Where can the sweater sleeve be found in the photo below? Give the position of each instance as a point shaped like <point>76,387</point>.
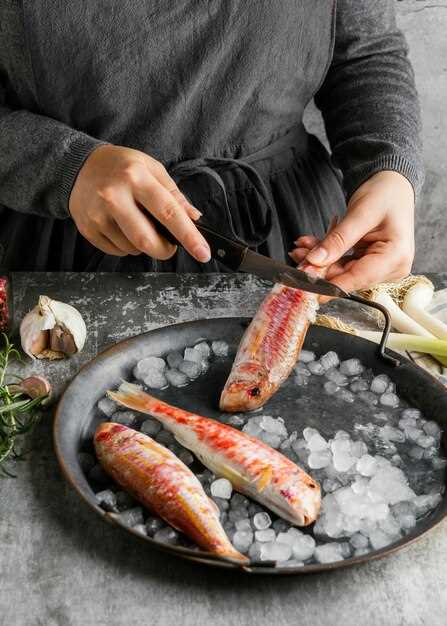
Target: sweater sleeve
<point>39,161</point>
<point>368,98</point>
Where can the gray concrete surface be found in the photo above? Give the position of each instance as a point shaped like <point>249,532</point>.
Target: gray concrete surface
<point>424,23</point>
<point>60,565</point>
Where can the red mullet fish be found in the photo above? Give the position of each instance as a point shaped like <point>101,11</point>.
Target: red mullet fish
<point>253,468</point>
<point>161,482</point>
<point>269,348</point>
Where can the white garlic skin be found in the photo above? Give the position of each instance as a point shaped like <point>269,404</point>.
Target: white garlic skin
<point>46,315</point>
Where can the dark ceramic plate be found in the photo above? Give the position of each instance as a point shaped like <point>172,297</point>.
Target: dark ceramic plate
<point>77,416</point>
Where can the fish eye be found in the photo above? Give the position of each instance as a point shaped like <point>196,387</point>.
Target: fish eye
<point>254,392</point>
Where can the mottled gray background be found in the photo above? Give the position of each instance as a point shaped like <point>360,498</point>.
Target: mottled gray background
<point>424,23</point>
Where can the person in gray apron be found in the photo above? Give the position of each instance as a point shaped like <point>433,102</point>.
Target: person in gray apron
<point>114,113</point>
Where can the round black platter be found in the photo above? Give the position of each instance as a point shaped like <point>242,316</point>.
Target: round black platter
<point>77,416</point>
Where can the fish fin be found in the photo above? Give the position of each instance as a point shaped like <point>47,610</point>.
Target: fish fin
<point>132,397</point>
<point>265,478</point>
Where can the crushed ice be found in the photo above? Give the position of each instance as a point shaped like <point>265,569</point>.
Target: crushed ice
<point>377,480</point>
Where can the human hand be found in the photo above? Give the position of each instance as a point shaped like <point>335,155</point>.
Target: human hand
<point>378,227</point>
<point>116,193</point>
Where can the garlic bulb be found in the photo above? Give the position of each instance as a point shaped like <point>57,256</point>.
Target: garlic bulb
<point>52,330</point>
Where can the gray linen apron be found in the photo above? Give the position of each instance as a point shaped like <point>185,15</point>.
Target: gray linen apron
<point>266,196</point>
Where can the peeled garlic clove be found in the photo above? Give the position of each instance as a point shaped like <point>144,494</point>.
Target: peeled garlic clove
<point>33,386</point>
<point>52,330</point>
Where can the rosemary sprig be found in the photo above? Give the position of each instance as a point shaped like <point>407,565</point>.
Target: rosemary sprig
<point>18,414</point>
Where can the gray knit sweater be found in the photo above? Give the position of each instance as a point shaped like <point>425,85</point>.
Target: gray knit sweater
<point>197,78</point>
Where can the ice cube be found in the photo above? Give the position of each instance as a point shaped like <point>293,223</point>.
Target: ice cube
<point>155,380</point>
<point>316,368</point>
<point>330,485</point>
<point>342,434</point>
<point>237,514</point>
<point>221,488</point>
<point>358,385</point>
<point>416,453</point>
<point>236,420</point>
<point>320,459</point>
<point>425,441</point>
<point>131,517</point>
<point>126,418</point>
<point>287,443</point>
<point>149,365</point>
<point>390,526</point>
<point>275,551</point>
<point>301,368</point>
<point>360,484</point>
<point>220,348</point>
<point>266,535</point>
<point>368,397</point>
<point>308,433</point>
<point>359,541</point>
<point>359,448</point>
<point>331,388</point>
<point>280,525</point>
<point>345,549</point>
<point>176,378</point>
<point>153,525</point>
<point>379,384</point>
<point>317,443</point>
<point>432,429</point>
<point>107,406</point>
<point>107,500</point>
<point>388,433</point>
<point>290,536</point>
<point>380,539</point>
<point>381,417</point>
<point>389,399</point>
<point>346,396</point>
<point>270,439</point>
<point>167,535</point>
<point>238,500</point>
<point>427,502</point>
<point>204,349</point>
<point>330,360</point>
<point>254,551</point>
<point>337,377</point>
<point>190,368</point>
<point>411,413</point>
<point>366,465</point>
<point>174,359</point>
<point>243,524</point>
<point>150,427</point>
<point>252,428</point>
<point>273,425</point>
<point>407,422</point>
<point>306,356</point>
<point>328,553</point>
<point>261,521</point>
<point>242,540</point>
<point>342,461</point>
<point>341,445</point>
<point>165,438</point>
<point>391,485</point>
<point>124,500</point>
<point>351,367</point>
<point>186,457</point>
<point>303,547</point>
<point>254,508</point>
<point>300,380</point>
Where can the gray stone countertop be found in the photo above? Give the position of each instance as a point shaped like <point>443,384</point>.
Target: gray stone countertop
<point>60,565</point>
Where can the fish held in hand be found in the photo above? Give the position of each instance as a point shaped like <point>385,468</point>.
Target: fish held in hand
<point>154,476</point>
<point>269,348</point>
<point>254,468</point>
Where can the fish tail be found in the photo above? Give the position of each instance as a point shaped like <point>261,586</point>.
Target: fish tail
<point>133,397</point>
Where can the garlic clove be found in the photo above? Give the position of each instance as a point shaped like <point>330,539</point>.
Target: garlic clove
<point>52,330</point>
<point>32,386</point>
